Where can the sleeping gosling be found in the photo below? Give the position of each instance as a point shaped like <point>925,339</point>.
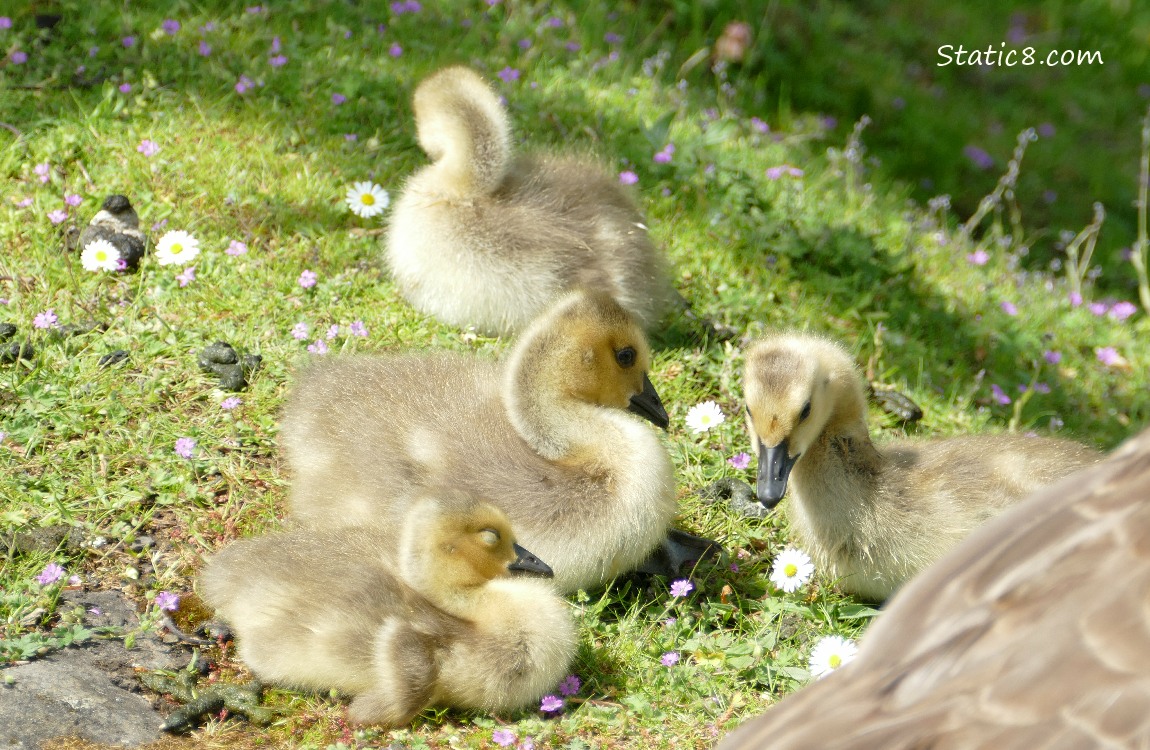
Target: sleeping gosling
<point>874,517</point>
<point>546,433</point>
<point>1034,632</point>
<point>401,618</point>
<point>487,238</point>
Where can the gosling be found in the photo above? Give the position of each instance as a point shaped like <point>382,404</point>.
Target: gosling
<point>483,237</point>
<point>1032,633</point>
<point>587,486</point>
<point>442,624</point>
<point>875,517</point>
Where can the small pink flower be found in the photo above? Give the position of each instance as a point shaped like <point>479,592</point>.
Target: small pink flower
<point>185,447</point>
<point>332,332</point>
<point>1052,356</point>
<point>148,147</point>
<point>187,276</point>
<point>19,57</point>
<point>1122,310</point>
<point>681,587</point>
<point>167,601</point>
<point>43,171</point>
<point>307,279</point>
<point>236,248</point>
<point>978,258</point>
<point>1098,308</point>
<point>125,88</point>
<point>774,173</point>
<point>664,156</point>
<point>357,328</point>
<point>338,99</point>
<point>46,319</point>
<point>205,49</point>
<point>395,50</point>
<point>740,460</point>
<point>570,685</point>
<point>128,41</point>
<point>670,659</point>
<point>503,737</point>
<point>299,331</point>
<point>1108,356</point>
<point>52,572</point>
<point>73,200</point>
<point>551,703</point>
<point>628,177</point>
<point>1075,298</point>
<point>57,215</point>
<point>999,395</point>
<point>1009,308</point>
<point>509,74</point>
<point>231,402</point>
<point>319,347</point>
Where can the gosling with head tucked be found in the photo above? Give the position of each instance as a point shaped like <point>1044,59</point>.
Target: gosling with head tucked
<point>401,618</point>
<point>546,434</point>
<point>488,238</point>
<point>1034,632</point>
<point>873,517</point>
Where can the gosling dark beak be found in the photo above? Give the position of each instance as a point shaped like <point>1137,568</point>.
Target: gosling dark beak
<point>528,564</point>
<point>648,405</point>
<point>775,466</point>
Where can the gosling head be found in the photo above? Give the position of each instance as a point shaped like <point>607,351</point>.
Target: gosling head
<point>793,386</point>
<point>463,543</point>
<point>590,349</point>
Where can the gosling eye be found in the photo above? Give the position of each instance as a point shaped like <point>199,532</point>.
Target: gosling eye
<point>625,357</point>
<point>490,537</point>
<point>806,412</point>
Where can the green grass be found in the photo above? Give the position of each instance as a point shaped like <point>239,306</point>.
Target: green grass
<point>841,250</point>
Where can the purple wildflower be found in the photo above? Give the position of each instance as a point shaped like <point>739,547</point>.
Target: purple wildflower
<point>231,402</point>
<point>1108,355</point>
<point>5,22</point>
<point>503,737</point>
<point>170,26</point>
<point>1042,388</point>
<point>612,38</point>
<point>236,247</point>
<point>299,331</point>
<point>978,258</point>
<point>277,61</point>
<point>509,74</point>
<point>740,460</point>
<point>187,276</point>
<point>338,99</point>
<point>357,328</point>
<point>628,177</point>
<point>148,147</point>
<point>664,156</point>
<point>1009,308</point>
<point>43,171</point>
<point>19,57</point>
<point>978,157</point>
<point>46,319</point>
<point>332,332</point>
<point>205,48</point>
<point>572,46</point>
<point>1046,130</point>
<point>57,215</point>
<point>1052,356</point>
<point>395,50</point>
<point>185,447</point>
<point>24,202</point>
<point>277,45</point>
<point>999,395</point>
<point>760,126</point>
<point>125,88</point>
<point>570,685</point>
<point>681,587</point>
<point>73,200</point>
<point>670,659</point>
<point>159,225</point>
<point>524,44</point>
<point>1098,308</point>
<point>244,84</point>
<point>128,41</point>
<point>319,347</point>
<point>350,137</point>
<point>774,173</point>
<point>1122,310</point>
<point>1075,298</point>
<point>307,279</point>
<point>551,703</point>
<point>52,572</point>
<point>167,601</point>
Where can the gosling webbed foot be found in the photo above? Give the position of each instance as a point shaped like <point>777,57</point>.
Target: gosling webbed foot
<point>738,494</point>
<point>678,553</point>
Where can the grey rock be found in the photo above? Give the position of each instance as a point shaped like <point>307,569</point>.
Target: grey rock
<point>88,692</point>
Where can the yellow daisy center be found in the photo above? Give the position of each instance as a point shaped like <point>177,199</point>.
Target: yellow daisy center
<point>101,255</point>
<point>177,248</point>
<point>790,569</point>
<point>835,661</point>
<point>367,199</point>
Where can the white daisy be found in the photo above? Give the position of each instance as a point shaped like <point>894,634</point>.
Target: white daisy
<point>367,199</point>
<point>176,247</point>
<point>830,653</point>
<point>792,568</point>
<point>100,255</point>
<point>704,416</point>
